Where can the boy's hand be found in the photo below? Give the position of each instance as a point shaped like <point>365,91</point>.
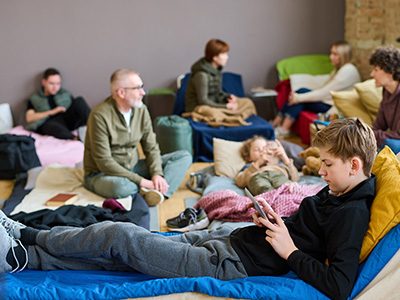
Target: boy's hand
<point>265,207</point>
<point>277,235</point>
<point>256,220</point>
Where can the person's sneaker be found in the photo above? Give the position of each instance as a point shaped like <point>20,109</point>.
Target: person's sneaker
<point>188,220</point>
<point>195,183</point>
<point>13,228</point>
<point>8,243</point>
<point>152,197</point>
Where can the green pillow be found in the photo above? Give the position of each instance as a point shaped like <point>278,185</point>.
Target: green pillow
<point>314,64</point>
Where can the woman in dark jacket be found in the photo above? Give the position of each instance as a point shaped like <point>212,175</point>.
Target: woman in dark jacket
<point>205,83</point>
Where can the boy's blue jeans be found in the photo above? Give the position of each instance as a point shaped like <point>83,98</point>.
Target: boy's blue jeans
<point>174,166</point>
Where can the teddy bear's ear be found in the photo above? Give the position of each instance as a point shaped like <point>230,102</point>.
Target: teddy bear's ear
<point>303,154</point>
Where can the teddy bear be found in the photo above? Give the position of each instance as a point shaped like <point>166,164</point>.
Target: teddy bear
<point>312,161</point>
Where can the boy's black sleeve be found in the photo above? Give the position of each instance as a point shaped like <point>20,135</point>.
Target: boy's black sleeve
<point>343,243</point>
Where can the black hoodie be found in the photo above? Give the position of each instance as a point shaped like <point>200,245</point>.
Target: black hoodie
<point>328,230</point>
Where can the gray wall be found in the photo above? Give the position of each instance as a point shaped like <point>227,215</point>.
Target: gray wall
<point>88,39</point>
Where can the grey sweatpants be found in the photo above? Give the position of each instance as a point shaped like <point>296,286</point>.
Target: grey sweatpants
<point>125,246</point>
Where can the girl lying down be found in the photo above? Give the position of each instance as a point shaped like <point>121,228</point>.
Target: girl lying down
<point>267,166</point>
<point>268,170</point>
<point>227,205</point>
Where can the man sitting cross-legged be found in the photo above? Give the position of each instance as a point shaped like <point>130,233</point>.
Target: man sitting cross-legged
<point>115,129</point>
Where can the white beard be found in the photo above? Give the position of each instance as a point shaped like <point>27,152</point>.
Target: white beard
<point>137,104</point>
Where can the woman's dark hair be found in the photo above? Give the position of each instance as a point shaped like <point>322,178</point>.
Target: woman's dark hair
<point>388,59</point>
<point>50,72</point>
<point>215,47</point>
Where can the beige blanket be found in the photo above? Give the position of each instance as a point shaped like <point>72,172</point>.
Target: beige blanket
<point>222,116</point>
<point>56,179</point>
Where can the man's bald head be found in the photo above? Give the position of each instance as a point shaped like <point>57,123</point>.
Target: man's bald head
<point>120,78</point>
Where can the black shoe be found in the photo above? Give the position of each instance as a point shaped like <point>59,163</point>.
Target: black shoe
<point>188,220</point>
<point>195,183</point>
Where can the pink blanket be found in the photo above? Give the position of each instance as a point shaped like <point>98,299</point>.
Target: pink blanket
<point>51,150</point>
<point>227,205</point>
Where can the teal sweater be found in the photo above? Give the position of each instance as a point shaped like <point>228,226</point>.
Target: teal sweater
<point>40,103</point>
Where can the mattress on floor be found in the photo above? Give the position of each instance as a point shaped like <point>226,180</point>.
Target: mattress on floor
<point>32,284</point>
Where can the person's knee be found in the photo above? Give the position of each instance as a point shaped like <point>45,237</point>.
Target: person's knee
<point>180,157</point>
<point>120,190</point>
<point>112,187</point>
<point>292,115</point>
<point>258,185</point>
<point>80,101</point>
<point>183,155</point>
<point>81,106</point>
<point>279,180</point>
<point>56,130</point>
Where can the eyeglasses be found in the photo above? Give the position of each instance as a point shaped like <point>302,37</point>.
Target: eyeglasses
<point>139,87</point>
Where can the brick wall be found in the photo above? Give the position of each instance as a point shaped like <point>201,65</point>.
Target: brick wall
<point>369,24</point>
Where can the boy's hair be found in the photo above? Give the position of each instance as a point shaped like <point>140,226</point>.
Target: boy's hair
<point>245,149</point>
<point>214,47</point>
<point>344,50</point>
<point>346,138</point>
<point>50,72</point>
<point>388,59</point>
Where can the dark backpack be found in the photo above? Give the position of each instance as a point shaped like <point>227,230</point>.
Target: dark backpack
<point>17,155</point>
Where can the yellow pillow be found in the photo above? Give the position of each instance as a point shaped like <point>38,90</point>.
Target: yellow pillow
<point>370,96</point>
<point>227,158</point>
<point>385,210</point>
<point>349,104</point>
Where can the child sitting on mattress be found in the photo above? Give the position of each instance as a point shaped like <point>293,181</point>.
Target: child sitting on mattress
<point>267,168</point>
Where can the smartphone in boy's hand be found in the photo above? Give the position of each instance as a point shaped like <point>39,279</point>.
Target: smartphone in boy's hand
<point>257,206</point>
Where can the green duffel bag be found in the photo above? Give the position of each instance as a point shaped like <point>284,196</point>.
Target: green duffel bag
<point>173,133</point>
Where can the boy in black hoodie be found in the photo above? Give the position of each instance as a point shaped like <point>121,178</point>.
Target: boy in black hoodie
<point>321,243</point>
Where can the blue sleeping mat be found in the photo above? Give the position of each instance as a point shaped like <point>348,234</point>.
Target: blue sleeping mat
<point>116,285</point>
<point>203,135</point>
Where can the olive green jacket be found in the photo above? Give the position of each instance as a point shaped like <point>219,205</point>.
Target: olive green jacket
<point>111,147</point>
<point>204,87</point>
